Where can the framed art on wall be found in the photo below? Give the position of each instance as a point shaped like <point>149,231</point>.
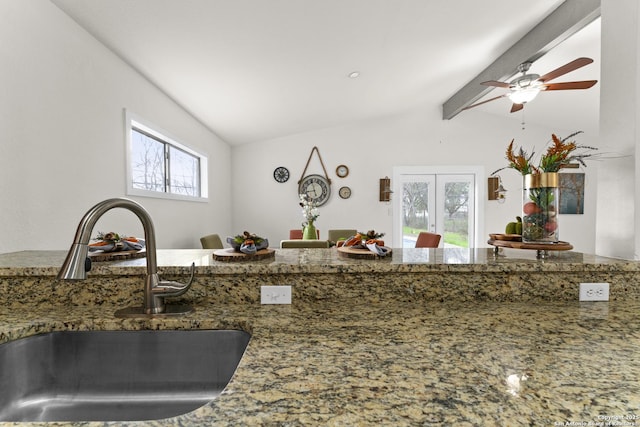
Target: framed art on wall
<point>571,193</point>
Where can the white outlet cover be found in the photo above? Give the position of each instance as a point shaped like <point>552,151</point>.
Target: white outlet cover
<point>275,294</point>
<point>594,292</point>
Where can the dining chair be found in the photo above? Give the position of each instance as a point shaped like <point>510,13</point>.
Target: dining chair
<point>428,240</point>
<point>211,241</point>
<point>302,243</point>
<point>336,234</point>
<point>297,234</point>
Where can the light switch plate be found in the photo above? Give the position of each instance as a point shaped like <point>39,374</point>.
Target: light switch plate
<point>275,294</point>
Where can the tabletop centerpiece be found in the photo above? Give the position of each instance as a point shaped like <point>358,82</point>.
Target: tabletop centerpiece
<point>540,201</point>
<point>248,243</point>
<point>114,242</point>
<point>310,213</point>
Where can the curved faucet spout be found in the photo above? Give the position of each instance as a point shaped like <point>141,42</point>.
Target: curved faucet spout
<point>75,266</point>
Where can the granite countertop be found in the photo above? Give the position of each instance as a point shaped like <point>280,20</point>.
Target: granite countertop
<point>327,261</point>
<point>479,364</point>
<point>349,360</point>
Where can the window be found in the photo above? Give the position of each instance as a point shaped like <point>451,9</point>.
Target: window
<point>158,166</point>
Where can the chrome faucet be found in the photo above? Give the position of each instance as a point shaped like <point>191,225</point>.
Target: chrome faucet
<point>77,263</point>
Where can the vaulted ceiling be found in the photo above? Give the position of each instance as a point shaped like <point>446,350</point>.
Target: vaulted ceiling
<point>253,70</point>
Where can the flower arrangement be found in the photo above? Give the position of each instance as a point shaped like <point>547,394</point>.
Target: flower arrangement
<point>540,199</point>
<point>248,243</point>
<point>371,234</point>
<point>111,242</point>
<point>309,210</point>
<point>559,154</point>
<point>242,238</point>
<point>109,237</point>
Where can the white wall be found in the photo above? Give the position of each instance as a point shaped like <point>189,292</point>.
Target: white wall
<point>618,221</point>
<point>62,148</point>
<point>371,149</point>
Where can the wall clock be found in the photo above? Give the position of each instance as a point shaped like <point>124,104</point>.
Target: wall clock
<point>316,188</point>
<point>342,171</point>
<point>281,174</point>
<point>344,192</point>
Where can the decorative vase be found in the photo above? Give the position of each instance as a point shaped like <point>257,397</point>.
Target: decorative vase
<point>309,232</point>
<point>540,208</point>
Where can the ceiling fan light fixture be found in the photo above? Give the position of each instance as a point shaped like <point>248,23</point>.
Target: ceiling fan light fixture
<point>524,95</point>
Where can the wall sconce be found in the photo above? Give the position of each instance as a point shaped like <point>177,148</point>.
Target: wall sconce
<point>496,189</point>
<point>385,189</point>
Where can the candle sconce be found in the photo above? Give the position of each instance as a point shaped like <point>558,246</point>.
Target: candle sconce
<point>385,189</point>
<point>496,189</point>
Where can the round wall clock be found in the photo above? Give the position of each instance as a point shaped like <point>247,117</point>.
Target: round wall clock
<point>316,187</point>
<point>342,171</point>
<point>344,192</point>
<point>281,174</point>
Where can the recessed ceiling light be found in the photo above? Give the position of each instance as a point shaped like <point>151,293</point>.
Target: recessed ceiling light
<point>354,74</point>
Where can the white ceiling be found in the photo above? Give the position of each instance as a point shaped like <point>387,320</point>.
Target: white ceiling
<point>253,70</point>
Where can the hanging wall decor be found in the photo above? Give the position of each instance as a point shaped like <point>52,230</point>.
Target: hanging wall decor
<point>317,188</point>
<point>571,193</point>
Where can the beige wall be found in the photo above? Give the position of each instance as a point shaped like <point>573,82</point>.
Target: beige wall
<point>62,145</point>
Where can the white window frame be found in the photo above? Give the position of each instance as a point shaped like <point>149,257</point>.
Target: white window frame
<point>134,121</point>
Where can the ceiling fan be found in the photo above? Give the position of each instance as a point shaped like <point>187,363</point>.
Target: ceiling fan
<point>526,87</point>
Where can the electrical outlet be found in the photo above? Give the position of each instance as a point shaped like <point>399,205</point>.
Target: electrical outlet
<point>275,294</point>
<point>594,292</point>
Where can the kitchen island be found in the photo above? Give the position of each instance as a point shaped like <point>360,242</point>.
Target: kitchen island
<point>356,349</point>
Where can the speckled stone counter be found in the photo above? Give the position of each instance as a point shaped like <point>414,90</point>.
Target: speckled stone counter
<point>323,275</point>
<point>417,359</point>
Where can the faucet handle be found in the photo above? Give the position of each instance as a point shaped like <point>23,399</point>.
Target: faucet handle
<point>193,272</point>
<point>168,288</point>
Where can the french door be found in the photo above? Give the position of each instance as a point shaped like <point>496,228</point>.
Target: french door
<point>438,200</point>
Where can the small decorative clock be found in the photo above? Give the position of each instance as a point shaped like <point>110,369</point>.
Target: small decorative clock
<point>316,187</point>
<point>342,171</point>
<point>344,192</point>
<point>281,174</point>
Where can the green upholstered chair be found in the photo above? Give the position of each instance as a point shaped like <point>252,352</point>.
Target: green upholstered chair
<point>335,235</point>
<point>301,243</point>
<point>211,241</point>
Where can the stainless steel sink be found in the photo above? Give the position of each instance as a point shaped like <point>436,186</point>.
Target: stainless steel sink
<point>115,375</point>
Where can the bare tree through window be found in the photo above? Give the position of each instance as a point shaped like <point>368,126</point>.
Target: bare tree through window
<point>159,166</point>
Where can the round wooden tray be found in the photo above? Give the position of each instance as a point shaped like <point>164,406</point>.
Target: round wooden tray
<point>350,252</point>
<point>541,248</point>
<point>116,256</point>
<point>515,237</point>
<point>560,246</point>
<point>231,255</point>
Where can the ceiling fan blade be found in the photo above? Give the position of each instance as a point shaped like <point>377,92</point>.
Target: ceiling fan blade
<point>566,68</point>
<point>496,84</point>
<point>484,102</point>
<point>516,107</point>
<point>584,84</point>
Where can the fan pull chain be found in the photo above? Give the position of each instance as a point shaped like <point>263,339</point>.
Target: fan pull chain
<point>523,122</point>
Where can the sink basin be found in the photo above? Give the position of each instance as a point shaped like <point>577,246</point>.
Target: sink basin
<point>115,375</point>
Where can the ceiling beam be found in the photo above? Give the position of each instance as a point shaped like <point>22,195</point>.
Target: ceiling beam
<point>569,18</point>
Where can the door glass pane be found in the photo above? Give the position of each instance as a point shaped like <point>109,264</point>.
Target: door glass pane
<point>415,211</point>
<point>456,210</point>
